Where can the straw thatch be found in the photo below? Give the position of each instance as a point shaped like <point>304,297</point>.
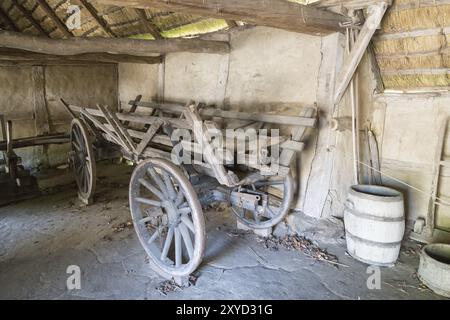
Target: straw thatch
<point>414,35</point>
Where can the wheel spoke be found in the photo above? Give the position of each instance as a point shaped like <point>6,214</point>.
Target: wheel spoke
<point>148,201</point>
<point>178,248</point>
<point>169,185</point>
<point>184,210</point>
<point>155,235</point>
<point>145,220</point>
<point>151,188</point>
<point>271,212</point>
<point>157,178</point>
<point>167,243</point>
<point>179,199</point>
<point>187,240</point>
<point>185,219</point>
<point>76,145</point>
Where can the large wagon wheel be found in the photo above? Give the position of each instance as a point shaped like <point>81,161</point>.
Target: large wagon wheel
<point>167,217</point>
<point>275,196</point>
<point>82,160</point>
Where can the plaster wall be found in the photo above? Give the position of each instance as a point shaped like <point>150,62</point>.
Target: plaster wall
<point>79,85</point>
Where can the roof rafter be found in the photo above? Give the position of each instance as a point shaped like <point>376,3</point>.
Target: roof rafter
<point>275,13</point>
<point>100,21</point>
<point>28,15</point>
<point>148,25</point>
<point>52,14</point>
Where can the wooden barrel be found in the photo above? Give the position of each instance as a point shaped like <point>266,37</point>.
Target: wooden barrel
<point>374,224</point>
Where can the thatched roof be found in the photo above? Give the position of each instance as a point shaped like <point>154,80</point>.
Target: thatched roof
<point>411,47</point>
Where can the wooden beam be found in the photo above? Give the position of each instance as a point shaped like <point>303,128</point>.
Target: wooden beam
<point>375,68</point>
<point>148,26</point>
<point>135,47</point>
<point>29,17</point>
<point>25,56</point>
<point>350,4</point>
<point>41,116</point>
<point>352,61</point>
<point>94,14</point>
<point>275,13</point>
<point>9,23</point>
<point>52,15</point>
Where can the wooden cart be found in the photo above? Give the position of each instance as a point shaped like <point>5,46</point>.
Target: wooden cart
<point>166,194</point>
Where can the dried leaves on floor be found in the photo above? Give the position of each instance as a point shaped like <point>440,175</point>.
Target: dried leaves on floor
<point>299,243</point>
<point>169,286</point>
<point>122,226</point>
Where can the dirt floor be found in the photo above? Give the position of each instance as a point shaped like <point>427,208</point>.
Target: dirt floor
<point>42,237</point>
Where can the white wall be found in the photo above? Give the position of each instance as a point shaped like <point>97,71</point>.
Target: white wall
<point>408,133</point>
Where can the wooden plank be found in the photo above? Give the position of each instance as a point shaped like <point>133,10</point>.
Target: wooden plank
<point>7,20</point>
<point>431,214</point>
<point>133,108</point>
<point>148,25</point>
<point>177,123</point>
<point>122,129</point>
<point>30,18</point>
<point>42,119</point>
<point>74,46</point>
<point>101,126</point>
<point>201,135</point>
<point>24,57</point>
<point>275,13</point>
<point>148,136</point>
<point>50,13</point>
<point>287,155</point>
<point>375,68</point>
<point>66,106</point>
<point>259,117</point>
<point>99,20</point>
<point>117,132</point>
<point>295,146</point>
<point>352,61</point>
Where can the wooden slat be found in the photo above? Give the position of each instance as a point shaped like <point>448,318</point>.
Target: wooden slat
<point>260,117</point>
<point>275,13</point>
<point>148,136</point>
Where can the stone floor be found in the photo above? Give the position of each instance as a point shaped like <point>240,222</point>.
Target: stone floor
<point>40,238</point>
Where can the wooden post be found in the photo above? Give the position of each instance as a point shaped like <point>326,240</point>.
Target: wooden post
<point>42,120</point>
<point>352,61</point>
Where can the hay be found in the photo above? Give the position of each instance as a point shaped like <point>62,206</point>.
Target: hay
<point>409,45</point>
<point>200,27</point>
<point>419,18</point>
<point>416,81</point>
<point>419,62</point>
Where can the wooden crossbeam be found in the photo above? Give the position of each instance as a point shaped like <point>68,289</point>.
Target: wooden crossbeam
<point>275,13</point>
<point>7,20</point>
<point>148,25</point>
<point>25,57</point>
<point>99,20</point>
<point>30,18</point>
<point>135,47</point>
<point>52,15</point>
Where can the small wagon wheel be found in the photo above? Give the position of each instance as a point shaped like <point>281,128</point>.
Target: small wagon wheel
<point>82,160</point>
<point>167,217</point>
<point>275,196</point>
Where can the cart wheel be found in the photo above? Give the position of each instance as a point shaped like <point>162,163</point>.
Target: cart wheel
<point>82,160</point>
<point>167,217</point>
<point>275,194</point>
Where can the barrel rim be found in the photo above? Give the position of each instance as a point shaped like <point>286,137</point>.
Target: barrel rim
<point>398,196</point>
